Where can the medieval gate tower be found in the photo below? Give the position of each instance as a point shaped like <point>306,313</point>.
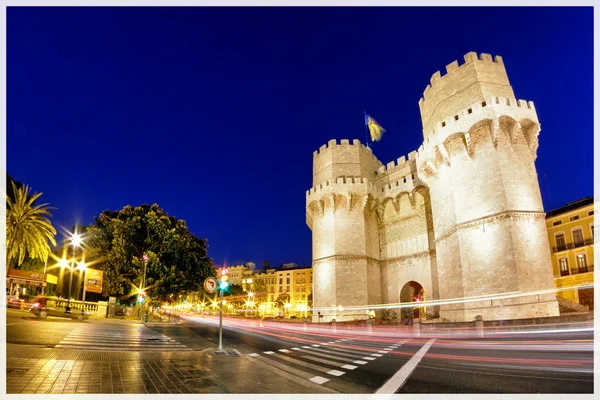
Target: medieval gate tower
<point>459,218</point>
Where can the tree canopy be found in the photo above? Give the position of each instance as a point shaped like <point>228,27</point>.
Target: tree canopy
<point>28,228</point>
<point>177,261</point>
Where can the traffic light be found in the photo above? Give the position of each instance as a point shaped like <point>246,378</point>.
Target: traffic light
<point>224,279</point>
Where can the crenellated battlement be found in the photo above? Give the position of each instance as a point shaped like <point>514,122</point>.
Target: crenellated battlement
<point>454,66</point>
<point>353,184</point>
<point>405,184</point>
<point>492,108</point>
<point>343,159</point>
<point>393,166</point>
<point>344,145</point>
<point>478,78</point>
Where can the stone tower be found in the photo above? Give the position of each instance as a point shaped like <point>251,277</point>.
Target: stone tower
<point>477,159</point>
<point>460,218</point>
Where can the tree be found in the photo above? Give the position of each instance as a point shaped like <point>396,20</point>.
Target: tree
<point>282,299</point>
<point>28,228</point>
<point>177,261</point>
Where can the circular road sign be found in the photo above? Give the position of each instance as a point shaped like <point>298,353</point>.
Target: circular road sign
<point>210,284</point>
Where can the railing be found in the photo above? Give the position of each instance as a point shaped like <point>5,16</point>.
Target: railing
<point>75,305</point>
<point>569,246</point>
<point>576,271</point>
<point>582,270</point>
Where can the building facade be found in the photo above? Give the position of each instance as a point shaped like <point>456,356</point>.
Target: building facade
<point>461,217</point>
<point>571,236</point>
<point>266,287</point>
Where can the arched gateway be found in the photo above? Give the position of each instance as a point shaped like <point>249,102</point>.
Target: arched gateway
<point>412,292</point>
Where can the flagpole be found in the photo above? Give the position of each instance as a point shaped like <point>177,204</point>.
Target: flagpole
<point>366,130</point>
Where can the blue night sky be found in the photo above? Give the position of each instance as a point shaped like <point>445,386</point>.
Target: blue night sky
<point>214,113</point>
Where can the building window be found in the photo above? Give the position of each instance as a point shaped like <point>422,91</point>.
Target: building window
<point>560,241</point>
<point>288,281</point>
<point>564,267</point>
<point>592,228</point>
<point>581,263</point>
<point>281,281</point>
<point>578,237</point>
<point>591,212</point>
<point>574,218</point>
<point>280,289</point>
<point>556,223</point>
<point>288,288</point>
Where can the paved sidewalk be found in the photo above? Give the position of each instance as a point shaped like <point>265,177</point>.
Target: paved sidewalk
<point>38,370</point>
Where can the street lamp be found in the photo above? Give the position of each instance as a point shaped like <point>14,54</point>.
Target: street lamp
<point>83,269</point>
<point>76,241</point>
<point>145,258</point>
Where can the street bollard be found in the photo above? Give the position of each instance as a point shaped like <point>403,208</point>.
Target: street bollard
<point>479,325</point>
<point>333,325</point>
<point>370,327</point>
<point>305,325</point>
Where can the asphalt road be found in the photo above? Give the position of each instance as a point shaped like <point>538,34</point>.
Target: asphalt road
<point>350,360</point>
<point>543,361</point>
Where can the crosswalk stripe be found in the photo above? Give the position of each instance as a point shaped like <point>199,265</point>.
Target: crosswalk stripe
<point>304,364</point>
<point>350,367</point>
<point>294,371</point>
<point>269,352</point>
<point>359,362</point>
<point>118,338</point>
<point>321,360</point>
<point>318,379</point>
<point>349,351</point>
<point>377,355</point>
<point>344,352</point>
<point>284,351</point>
<point>253,355</point>
<point>369,358</point>
<point>320,354</point>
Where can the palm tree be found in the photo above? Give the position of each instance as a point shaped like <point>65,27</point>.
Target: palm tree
<point>28,229</point>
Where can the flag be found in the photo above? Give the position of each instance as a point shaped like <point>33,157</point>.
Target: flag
<point>375,129</point>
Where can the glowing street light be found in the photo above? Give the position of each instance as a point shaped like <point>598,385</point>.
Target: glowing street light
<point>76,241</point>
<point>83,269</point>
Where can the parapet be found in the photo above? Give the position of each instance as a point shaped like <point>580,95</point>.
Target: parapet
<point>343,145</point>
<point>454,66</point>
<point>342,184</point>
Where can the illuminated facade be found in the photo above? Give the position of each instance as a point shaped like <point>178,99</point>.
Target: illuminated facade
<point>459,218</point>
<point>266,286</point>
<point>571,236</point>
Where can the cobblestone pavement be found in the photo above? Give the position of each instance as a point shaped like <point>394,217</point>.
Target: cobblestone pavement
<point>81,377</point>
<point>38,370</point>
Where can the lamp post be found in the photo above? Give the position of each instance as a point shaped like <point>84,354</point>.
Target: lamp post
<point>76,242</point>
<point>83,269</point>
<point>45,265</point>
<point>145,258</point>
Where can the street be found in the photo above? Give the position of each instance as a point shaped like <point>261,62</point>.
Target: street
<point>311,359</point>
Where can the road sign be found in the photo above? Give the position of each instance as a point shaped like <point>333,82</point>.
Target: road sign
<point>210,284</point>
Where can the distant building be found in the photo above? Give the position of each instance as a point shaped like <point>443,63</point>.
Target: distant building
<point>266,286</point>
<point>571,237</point>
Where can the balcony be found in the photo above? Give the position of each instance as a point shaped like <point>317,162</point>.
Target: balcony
<point>569,246</point>
<point>576,271</point>
<point>582,270</point>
